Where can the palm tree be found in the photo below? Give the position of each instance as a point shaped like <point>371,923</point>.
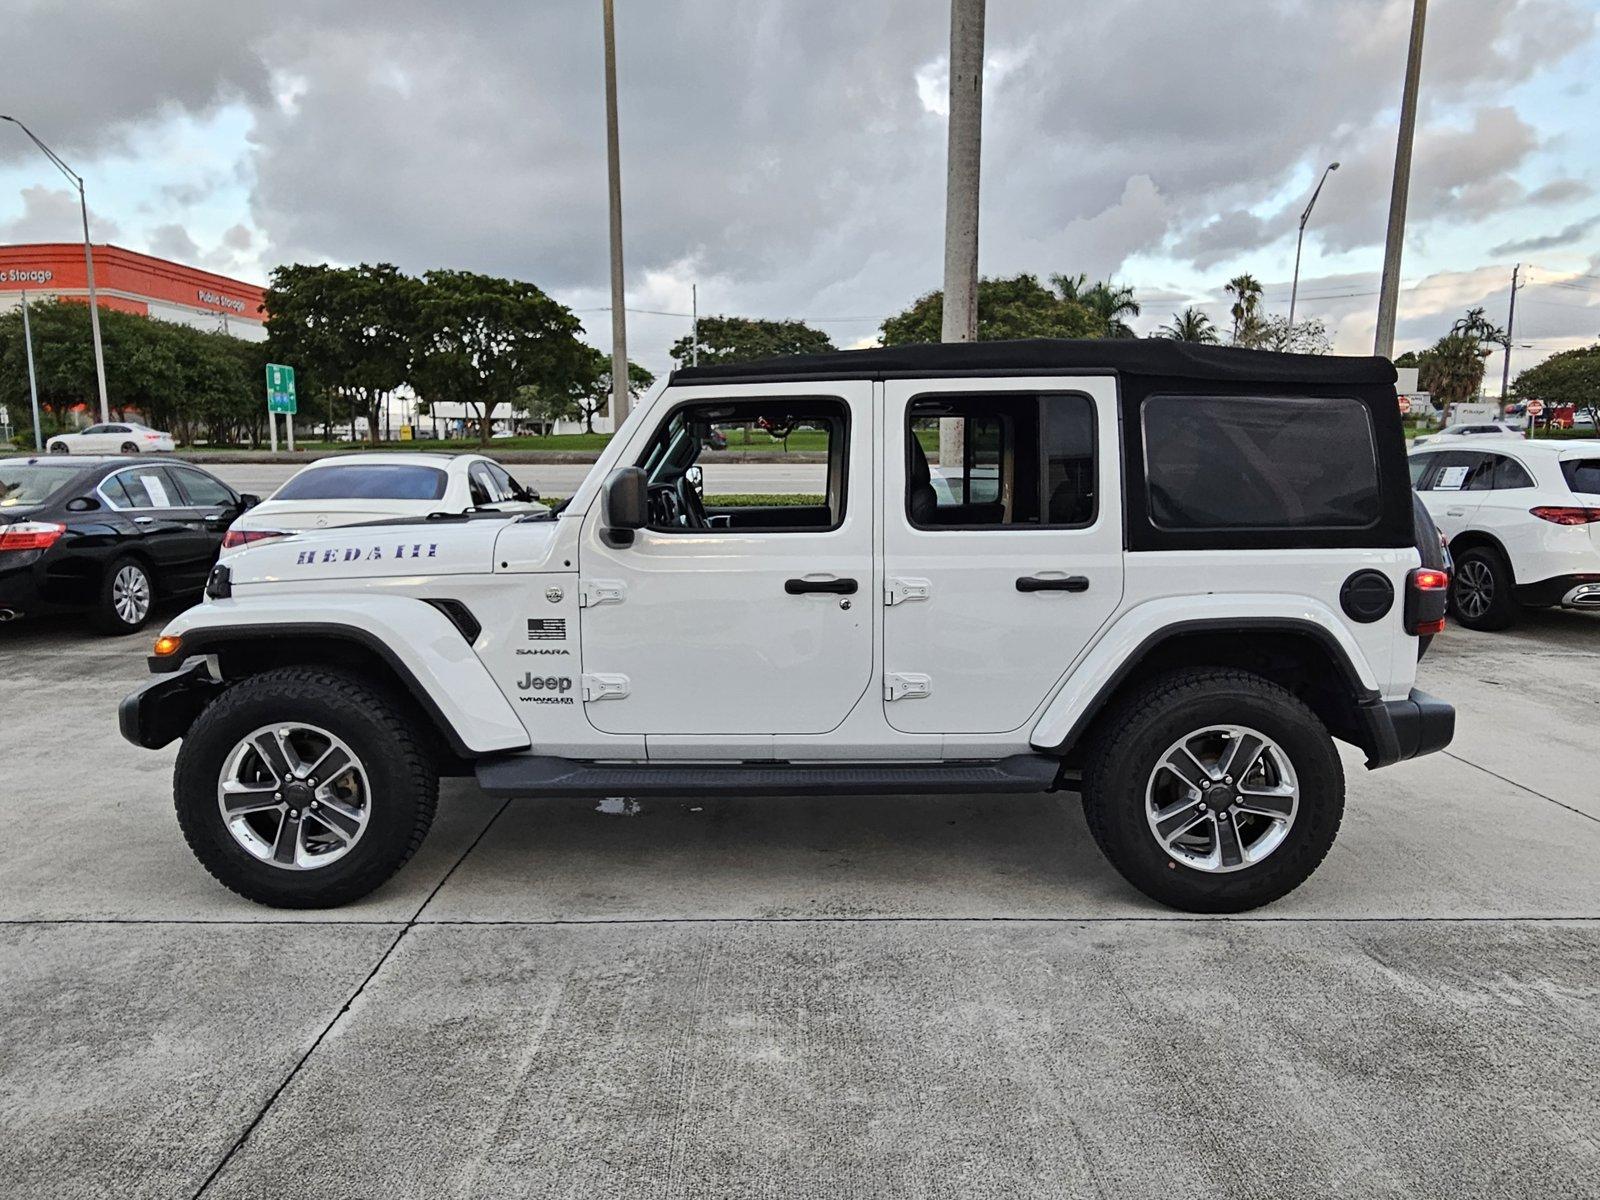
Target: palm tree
<point>1108,301</point>
<point>1246,293</point>
<point>1191,325</point>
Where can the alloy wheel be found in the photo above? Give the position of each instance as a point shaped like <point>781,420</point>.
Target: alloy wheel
<point>294,796</point>
<point>1474,590</point>
<point>130,595</point>
<point>1222,798</point>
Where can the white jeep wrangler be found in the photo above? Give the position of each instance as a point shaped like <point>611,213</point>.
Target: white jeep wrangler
<point>1161,575</point>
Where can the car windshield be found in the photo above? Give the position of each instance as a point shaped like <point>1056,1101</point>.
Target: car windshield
<point>32,483</point>
<point>1583,475</point>
<point>365,481</point>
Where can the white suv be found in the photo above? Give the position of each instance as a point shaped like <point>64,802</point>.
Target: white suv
<point>1163,576</point>
<point>1523,522</point>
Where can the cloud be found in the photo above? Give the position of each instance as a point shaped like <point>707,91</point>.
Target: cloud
<point>1550,241</point>
<point>52,214</point>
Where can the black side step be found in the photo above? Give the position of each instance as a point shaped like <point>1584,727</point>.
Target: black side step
<point>534,775</point>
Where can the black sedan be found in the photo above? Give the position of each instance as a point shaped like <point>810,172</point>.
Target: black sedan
<point>107,536</point>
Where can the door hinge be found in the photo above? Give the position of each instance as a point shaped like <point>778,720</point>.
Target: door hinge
<point>907,687</point>
<point>604,687</point>
<point>594,592</point>
<point>898,591</point>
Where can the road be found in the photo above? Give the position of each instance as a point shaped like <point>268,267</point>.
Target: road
<point>556,479</point>
<point>944,997</point>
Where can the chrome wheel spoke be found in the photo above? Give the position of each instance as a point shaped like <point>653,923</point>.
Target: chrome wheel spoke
<point>1182,763</point>
<point>241,798</point>
<point>1176,820</point>
<point>342,822</point>
<point>287,842</point>
<point>1241,756</point>
<point>1267,802</point>
<point>1228,844</point>
<point>274,752</point>
<point>329,767</point>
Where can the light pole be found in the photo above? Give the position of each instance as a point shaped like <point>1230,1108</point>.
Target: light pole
<point>88,263</point>
<point>959,322</point>
<point>1294,292</point>
<point>1394,243</point>
<point>619,315</point>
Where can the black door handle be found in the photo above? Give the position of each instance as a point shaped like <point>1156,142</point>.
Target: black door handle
<point>1071,583</point>
<point>837,587</point>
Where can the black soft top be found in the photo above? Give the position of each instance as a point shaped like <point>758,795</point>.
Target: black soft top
<point>1148,357</point>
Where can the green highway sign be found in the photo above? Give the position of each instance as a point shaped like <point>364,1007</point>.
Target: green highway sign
<point>280,389</point>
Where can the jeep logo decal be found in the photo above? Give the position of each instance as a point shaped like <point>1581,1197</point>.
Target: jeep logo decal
<point>545,683</point>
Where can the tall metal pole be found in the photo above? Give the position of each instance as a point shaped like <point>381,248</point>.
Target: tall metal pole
<point>1511,331</point>
<point>33,380</point>
<point>1294,292</point>
<point>1389,295</point>
<point>694,340</point>
<point>88,263</point>
<point>619,318</point>
<point>963,167</point>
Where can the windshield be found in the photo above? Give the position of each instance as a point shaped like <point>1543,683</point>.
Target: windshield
<point>32,483</point>
<point>365,481</point>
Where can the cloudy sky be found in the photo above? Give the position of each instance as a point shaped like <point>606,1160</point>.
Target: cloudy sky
<point>788,155</point>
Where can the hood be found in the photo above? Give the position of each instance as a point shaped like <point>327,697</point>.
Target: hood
<point>378,551</point>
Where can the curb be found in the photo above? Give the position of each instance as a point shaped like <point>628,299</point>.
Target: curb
<point>283,458</point>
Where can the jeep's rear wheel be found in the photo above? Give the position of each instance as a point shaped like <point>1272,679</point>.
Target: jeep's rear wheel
<point>302,788</point>
<point>1213,790</point>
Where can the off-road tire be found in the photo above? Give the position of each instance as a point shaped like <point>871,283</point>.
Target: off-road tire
<point>1503,607</point>
<point>106,617</point>
<point>1127,745</point>
<point>404,783</point>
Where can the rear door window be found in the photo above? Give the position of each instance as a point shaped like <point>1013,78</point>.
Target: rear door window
<point>201,490</point>
<point>1582,475</point>
<point>366,481</point>
<point>142,487</point>
<point>1260,462</point>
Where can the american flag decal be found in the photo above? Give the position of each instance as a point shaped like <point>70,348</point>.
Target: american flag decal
<point>549,629</point>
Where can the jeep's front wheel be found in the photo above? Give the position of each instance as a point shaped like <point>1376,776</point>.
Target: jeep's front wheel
<point>303,788</point>
<point>1213,790</point>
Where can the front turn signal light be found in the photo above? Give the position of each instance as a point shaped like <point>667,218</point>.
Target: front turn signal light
<point>167,646</point>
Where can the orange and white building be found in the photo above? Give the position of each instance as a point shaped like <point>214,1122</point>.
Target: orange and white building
<point>131,282</point>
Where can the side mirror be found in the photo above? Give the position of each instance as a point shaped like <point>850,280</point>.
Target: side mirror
<point>624,505</point>
<point>83,504</point>
<point>247,501</point>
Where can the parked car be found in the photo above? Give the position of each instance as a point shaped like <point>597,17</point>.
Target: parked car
<point>1523,522</point>
<point>1477,429</point>
<point>107,536</point>
<point>352,488</point>
<point>119,437</point>
<point>1187,571</point>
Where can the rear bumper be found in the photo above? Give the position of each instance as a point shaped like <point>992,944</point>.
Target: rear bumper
<point>162,710</point>
<point>1578,590</point>
<point>1402,729</point>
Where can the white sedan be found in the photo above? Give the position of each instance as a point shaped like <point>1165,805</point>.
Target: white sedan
<point>349,489</point>
<point>1472,429</point>
<point>118,437</point>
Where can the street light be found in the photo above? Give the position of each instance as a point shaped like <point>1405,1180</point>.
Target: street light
<point>88,263</point>
<point>1294,292</point>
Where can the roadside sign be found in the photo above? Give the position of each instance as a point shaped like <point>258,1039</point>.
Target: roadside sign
<point>405,433</point>
<point>1535,407</point>
<point>280,389</point>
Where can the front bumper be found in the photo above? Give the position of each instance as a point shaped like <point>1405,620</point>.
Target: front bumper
<point>1402,729</point>
<point>162,710</point>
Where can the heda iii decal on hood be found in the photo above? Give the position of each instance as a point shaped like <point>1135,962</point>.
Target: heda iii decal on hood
<point>369,552</point>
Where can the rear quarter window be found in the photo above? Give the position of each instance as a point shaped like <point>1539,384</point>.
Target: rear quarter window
<point>1260,463</point>
<point>1582,475</point>
<point>364,481</point>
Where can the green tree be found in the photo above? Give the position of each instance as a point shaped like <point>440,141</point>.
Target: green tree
<point>589,393</point>
<point>477,340</point>
<point>1112,303</point>
<point>1018,307</point>
<point>1246,293</point>
<point>745,339</point>
<point>1275,333</point>
<point>1571,377</point>
<point>1191,325</point>
<point>350,329</point>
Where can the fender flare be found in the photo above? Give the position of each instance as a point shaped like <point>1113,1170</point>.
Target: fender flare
<point>437,667</point>
<point>1128,642</point>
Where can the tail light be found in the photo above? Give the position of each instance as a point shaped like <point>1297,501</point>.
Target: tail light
<point>1567,516</point>
<point>152,437</point>
<point>1426,589</point>
<point>30,535</point>
<point>243,537</point>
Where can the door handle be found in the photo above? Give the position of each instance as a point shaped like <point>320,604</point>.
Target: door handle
<point>1455,512</point>
<point>1069,583</point>
<point>144,520</point>
<point>836,587</point>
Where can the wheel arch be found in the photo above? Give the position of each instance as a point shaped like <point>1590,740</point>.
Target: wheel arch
<point>1475,539</point>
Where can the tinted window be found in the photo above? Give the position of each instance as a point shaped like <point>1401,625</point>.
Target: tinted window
<point>1583,475</point>
<point>502,480</point>
<point>202,490</point>
<point>365,481</point>
<point>480,487</point>
<point>1508,473</point>
<point>1419,467</point>
<point>1027,460</point>
<point>1455,470</point>
<point>1236,462</point>
<point>142,487</point>
<point>32,483</point>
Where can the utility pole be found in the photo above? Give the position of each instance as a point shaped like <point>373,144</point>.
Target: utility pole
<point>88,263</point>
<point>1294,292</point>
<point>963,166</point>
<point>694,340</point>
<point>619,316</point>
<point>1389,295</point>
<point>1511,332</point>
<point>33,380</point>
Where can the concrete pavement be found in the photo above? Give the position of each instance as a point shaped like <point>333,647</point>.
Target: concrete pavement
<point>872,996</point>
